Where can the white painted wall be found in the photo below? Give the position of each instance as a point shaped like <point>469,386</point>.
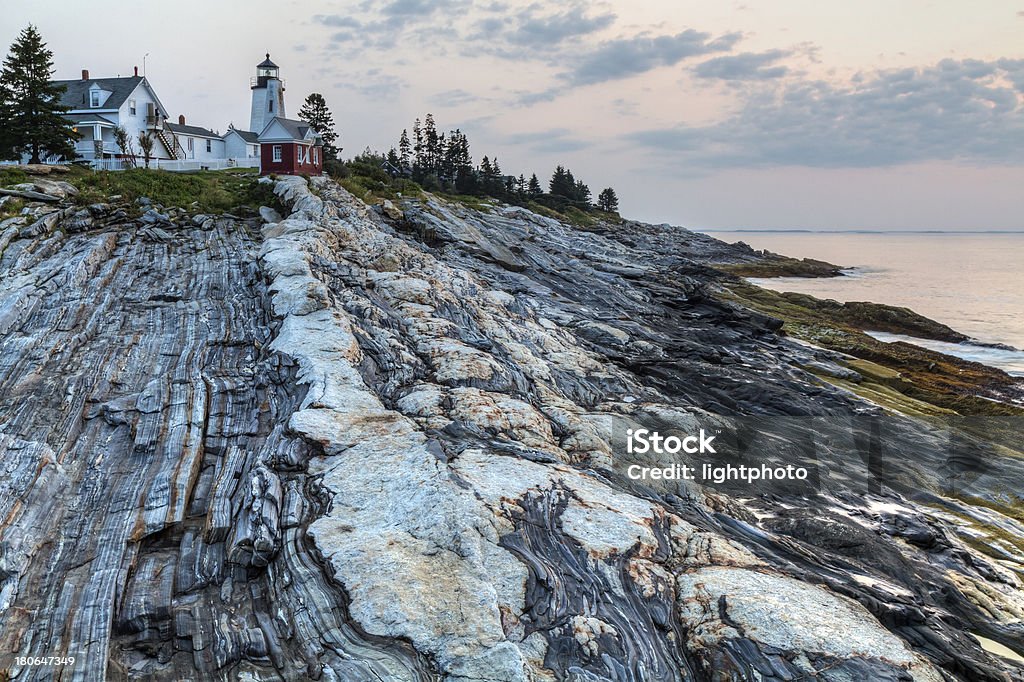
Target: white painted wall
<point>237,148</point>
<point>261,111</point>
<point>197,148</point>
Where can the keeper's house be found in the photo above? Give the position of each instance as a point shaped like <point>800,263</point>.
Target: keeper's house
<point>289,147</point>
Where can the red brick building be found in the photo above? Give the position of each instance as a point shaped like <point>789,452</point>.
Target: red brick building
<point>289,147</point>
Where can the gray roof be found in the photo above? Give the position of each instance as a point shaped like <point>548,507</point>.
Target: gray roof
<point>82,118</point>
<point>246,135</point>
<point>77,94</point>
<point>266,63</point>
<point>297,129</point>
<point>195,131</point>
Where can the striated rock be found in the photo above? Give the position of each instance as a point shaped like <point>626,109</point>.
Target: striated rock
<point>343,449</point>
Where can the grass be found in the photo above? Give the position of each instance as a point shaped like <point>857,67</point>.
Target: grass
<point>11,207</point>
<point>202,192</point>
<point>223,191</point>
<point>12,176</point>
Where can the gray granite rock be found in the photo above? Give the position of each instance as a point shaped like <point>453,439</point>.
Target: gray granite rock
<point>354,449</point>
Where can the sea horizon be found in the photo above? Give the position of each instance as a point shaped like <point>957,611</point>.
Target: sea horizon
<point>852,231</point>
<point>967,280</point>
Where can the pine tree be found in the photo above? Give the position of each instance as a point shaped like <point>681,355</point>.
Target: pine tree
<point>30,108</point>
<point>533,189</point>
<point>417,148</point>
<point>581,193</point>
<point>314,111</point>
<point>562,183</point>
<point>607,200</point>
<point>430,145</point>
<point>404,150</point>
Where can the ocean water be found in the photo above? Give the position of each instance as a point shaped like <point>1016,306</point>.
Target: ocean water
<point>973,283</point>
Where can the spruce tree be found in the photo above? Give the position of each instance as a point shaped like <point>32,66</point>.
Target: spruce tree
<point>417,149</point>
<point>562,183</point>
<point>582,193</point>
<point>533,189</point>
<point>30,108</point>
<point>607,200</point>
<point>314,111</point>
<point>404,150</point>
<point>430,145</point>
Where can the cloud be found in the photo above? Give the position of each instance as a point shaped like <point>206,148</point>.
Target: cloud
<point>543,31</point>
<point>374,84</point>
<point>336,21</point>
<point>744,66</point>
<point>532,33</point>
<point>551,140</point>
<point>967,110</point>
<point>413,8</point>
<point>625,57</point>
<point>454,98</point>
<point>385,23</point>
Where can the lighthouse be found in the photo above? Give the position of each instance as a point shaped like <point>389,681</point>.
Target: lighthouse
<point>267,95</point>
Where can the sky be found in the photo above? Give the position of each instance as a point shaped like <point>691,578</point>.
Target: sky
<point>749,114</point>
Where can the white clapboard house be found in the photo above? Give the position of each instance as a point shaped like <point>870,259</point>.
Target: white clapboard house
<point>99,105</point>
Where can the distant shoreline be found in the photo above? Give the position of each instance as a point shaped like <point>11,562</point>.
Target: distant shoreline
<point>930,232</point>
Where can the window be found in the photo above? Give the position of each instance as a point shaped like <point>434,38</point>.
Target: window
<point>131,106</point>
<point>270,105</point>
<point>94,98</point>
<point>209,145</point>
<point>277,153</point>
<point>316,156</point>
<point>252,150</point>
<point>298,154</point>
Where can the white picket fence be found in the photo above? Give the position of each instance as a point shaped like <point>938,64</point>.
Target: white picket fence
<point>176,165</point>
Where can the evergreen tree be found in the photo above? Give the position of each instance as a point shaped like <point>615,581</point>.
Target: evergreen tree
<point>30,109</point>
<point>533,189</point>
<point>562,183</point>
<point>607,200</point>
<point>417,149</point>
<point>394,159</point>
<point>582,193</point>
<point>404,150</point>
<point>431,149</point>
<point>314,111</point>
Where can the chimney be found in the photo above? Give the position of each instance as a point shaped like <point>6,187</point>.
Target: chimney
<point>136,72</point>
<point>85,74</point>
<point>181,119</point>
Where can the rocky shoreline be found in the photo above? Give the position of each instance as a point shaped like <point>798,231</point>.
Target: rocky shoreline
<point>366,442</point>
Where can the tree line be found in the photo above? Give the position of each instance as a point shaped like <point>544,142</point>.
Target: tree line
<point>440,161</point>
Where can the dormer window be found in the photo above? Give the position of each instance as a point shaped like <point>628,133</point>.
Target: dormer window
<point>94,98</point>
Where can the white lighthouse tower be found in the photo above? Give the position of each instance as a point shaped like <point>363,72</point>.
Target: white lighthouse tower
<point>267,95</point>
